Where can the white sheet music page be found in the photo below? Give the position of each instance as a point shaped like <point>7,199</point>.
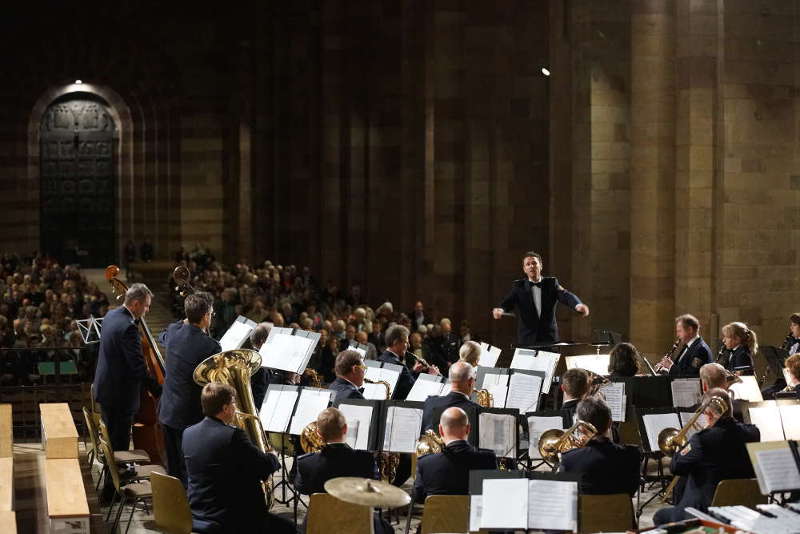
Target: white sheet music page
<point>768,420</point>
<point>498,433</point>
<point>387,375</point>
<point>747,389</point>
<point>533,360</point>
<point>654,423</point>
<point>537,425</point>
<point>614,393</point>
<point>403,427</point>
<point>505,503</point>
<point>475,509</point>
<point>499,394</point>
<point>359,417</point>
<point>236,335</point>
<point>553,505</point>
<point>523,392</point>
<point>596,363</point>
<point>425,386</point>
<point>312,401</point>
<point>777,470</point>
<point>285,352</point>
<point>686,392</point>
<point>493,379</point>
<point>790,417</point>
<point>700,424</point>
<point>277,409</point>
<point>374,391</point>
<point>489,355</point>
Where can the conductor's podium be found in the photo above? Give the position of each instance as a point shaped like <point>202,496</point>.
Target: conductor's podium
<point>67,506</point>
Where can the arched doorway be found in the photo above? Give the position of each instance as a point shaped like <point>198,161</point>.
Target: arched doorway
<point>77,144</point>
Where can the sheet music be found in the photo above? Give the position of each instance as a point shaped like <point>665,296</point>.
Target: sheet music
<point>446,388</point>
<point>499,394</point>
<point>768,420</point>
<point>425,386</point>
<point>523,392</point>
<point>790,419</point>
<point>374,391</point>
<point>489,355</point>
<point>358,419</point>
<point>287,353</point>
<point>537,425</point>
<point>553,505</point>
<point>235,336</point>
<point>312,401</point>
<point>614,393</point>
<point>596,363</point>
<point>361,351</point>
<point>776,470</point>
<point>493,379</point>
<point>498,433</point>
<point>700,424</point>
<point>686,392</point>
<point>654,423</point>
<point>533,360</point>
<point>505,503</point>
<point>475,512</point>
<point>403,427</point>
<point>381,373</point>
<point>747,389</point>
<point>277,408</point>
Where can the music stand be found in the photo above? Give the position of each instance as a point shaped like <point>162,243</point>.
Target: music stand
<point>89,329</point>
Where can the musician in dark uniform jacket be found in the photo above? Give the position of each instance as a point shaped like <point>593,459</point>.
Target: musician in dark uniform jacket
<point>575,386</point>
<point>335,459</point>
<point>396,347</point>
<point>715,453</point>
<point>534,298</point>
<point>793,385</point>
<point>462,382</point>
<point>741,344</point>
<point>121,370</point>
<point>225,472</point>
<point>694,354</point>
<point>188,344</point>
<point>350,371</point>
<point>447,472</point>
<point>260,380</point>
<point>604,467</point>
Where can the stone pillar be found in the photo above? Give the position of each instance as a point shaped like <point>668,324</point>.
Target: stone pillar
<point>652,174</point>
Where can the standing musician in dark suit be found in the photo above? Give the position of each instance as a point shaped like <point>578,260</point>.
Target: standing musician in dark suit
<point>121,370</point>
<point>741,344</point>
<point>188,344</point>
<point>447,472</point>
<point>604,467</point>
<point>396,347</point>
<point>535,298</point>
<point>336,459</point>
<point>350,371</point>
<point>715,453</point>
<point>225,471</point>
<point>694,354</point>
<point>462,383</point>
<point>575,385</point>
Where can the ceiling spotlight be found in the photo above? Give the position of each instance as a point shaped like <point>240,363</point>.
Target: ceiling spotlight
<point>78,82</point>
<point>545,71</point>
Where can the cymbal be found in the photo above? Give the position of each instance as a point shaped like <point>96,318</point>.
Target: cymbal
<point>367,492</point>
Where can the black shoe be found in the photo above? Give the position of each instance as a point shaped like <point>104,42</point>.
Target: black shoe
<point>106,496</point>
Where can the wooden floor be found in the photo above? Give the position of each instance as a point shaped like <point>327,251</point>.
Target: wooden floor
<point>31,506</point>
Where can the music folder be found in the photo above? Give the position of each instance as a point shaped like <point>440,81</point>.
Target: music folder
<point>776,464</point>
<point>494,380</point>
<point>401,426</point>
<point>777,420</point>
<point>747,389</point>
<point>476,478</point>
<point>652,421</point>
<point>537,360</point>
<point>363,423</point>
<point>597,363</point>
<point>278,406</point>
<point>614,394</point>
<point>235,336</point>
<point>524,390</point>
<point>426,386</point>
<point>359,348</point>
<point>288,350</point>
<point>489,355</point>
<point>498,431</point>
<point>647,391</point>
<point>387,372</point>
<point>536,423</point>
<point>309,405</point>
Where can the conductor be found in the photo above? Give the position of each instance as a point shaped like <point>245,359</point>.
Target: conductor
<point>534,298</point>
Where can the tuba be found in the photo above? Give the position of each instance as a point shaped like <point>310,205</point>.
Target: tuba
<point>234,368</point>
<point>554,442</point>
<point>429,443</point>
<point>310,439</point>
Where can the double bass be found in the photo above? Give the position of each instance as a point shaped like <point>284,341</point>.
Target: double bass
<point>147,432</point>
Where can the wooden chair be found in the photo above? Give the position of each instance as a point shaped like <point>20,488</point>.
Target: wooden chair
<point>605,513</point>
<point>170,505</point>
<point>743,491</point>
<point>445,513</point>
<point>91,429</point>
<point>131,493</point>
<point>328,514</point>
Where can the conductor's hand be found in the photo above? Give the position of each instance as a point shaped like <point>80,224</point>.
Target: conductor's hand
<point>497,312</point>
<point>583,309</point>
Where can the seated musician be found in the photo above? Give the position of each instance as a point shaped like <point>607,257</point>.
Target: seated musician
<point>350,371</point>
<point>260,380</point>
<point>604,467</point>
<point>447,472</point>
<point>623,361</point>
<point>713,375</point>
<point>575,384</point>
<point>335,459</point>
<point>462,382</point>
<point>715,453</point>
<point>793,379</point>
<point>741,344</point>
<point>470,352</point>
<point>225,471</point>
<point>396,346</point>
<point>693,354</point>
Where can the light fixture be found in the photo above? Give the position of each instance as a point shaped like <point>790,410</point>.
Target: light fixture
<point>545,71</point>
<point>78,82</point>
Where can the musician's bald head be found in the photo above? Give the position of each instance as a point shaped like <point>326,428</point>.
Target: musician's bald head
<point>454,424</point>
<point>713,375</point>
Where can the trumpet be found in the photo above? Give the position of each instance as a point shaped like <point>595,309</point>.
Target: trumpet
<point>554,442</point>
<point>661,365</point>
<point>384,383</point>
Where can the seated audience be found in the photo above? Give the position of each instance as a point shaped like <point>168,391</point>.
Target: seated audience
<point>462,383</point>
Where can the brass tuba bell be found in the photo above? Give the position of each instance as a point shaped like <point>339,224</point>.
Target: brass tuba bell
<point>310,438</point>
<point>429,443</point>
<point>554,442</point>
